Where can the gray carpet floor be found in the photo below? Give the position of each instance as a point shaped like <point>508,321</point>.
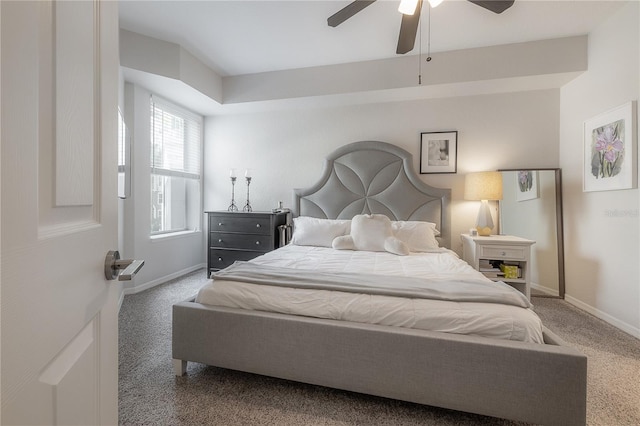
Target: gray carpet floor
<point>151,395</point>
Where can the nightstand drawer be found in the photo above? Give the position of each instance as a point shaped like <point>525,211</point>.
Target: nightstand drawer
<point>500,252</point>
<point>241,223</point>
<point>241,241</point>
<point>220,259</point>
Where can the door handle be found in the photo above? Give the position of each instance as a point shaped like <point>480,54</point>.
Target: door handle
<point>113,264</point>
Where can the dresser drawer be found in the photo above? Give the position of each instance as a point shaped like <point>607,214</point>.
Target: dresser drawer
<point>255,242</point>
<point>220,259</point>
<point>241,236</point>
<point>499,252</point>
<point>241,223</point>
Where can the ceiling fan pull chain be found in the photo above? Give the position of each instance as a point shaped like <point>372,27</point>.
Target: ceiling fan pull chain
<point>429,38</point>
<point>428,45</point>
<point>420,55</point>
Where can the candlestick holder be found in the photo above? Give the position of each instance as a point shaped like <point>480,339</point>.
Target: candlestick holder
<point>247,207</point>
<point>232,206</point>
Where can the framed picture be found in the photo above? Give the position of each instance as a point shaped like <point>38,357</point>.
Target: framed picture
<point>527,185</point>
<point>609,150</point>
<point>438,152</point>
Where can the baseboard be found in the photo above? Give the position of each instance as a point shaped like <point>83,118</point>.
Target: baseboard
<point>627,328</point>
<point>546,290</point>
<point>162,280</point>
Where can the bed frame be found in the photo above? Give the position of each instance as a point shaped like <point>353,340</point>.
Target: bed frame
<point>542,384</point>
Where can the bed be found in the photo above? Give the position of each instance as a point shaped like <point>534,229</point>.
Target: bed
<point>542,383</point>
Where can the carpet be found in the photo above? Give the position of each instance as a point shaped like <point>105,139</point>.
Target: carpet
<point>150,394</point>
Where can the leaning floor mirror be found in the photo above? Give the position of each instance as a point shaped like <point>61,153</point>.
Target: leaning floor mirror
<point>531,207</point>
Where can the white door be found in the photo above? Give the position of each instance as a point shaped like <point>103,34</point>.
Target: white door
<point>59,211</point>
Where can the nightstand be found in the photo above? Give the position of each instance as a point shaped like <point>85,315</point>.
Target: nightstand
<point>241,236</point>
<point>485,254</point>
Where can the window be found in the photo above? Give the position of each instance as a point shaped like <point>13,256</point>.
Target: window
<point>176,140</point>
<point>124,159</point>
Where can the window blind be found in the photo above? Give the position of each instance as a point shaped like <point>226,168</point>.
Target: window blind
<point>176,136</point>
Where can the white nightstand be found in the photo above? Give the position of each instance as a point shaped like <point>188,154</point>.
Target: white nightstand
<point>495,249</point>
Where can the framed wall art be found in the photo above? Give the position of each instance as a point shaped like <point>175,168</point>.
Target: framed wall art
<point>526,185</point>
<point>438,152</point>
<point>609,150</point>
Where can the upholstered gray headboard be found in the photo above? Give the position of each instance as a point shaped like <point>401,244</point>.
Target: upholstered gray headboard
<point>374,177</point>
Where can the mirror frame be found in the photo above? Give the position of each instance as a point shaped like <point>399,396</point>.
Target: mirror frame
<point>559,224</point>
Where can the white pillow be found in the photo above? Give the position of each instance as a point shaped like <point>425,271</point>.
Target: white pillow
<point>343,242</point>
<point>311,231</point>
<point>371,232</point>
<point>418,236</point>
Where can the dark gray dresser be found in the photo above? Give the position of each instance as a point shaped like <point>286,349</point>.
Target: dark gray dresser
<point>241,236</point>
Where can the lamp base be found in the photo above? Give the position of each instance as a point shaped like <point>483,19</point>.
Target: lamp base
<point>484,223</point>
<point>484,232</point>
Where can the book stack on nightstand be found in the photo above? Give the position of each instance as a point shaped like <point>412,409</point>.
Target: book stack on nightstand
<point>490,269</point>
<point>500,258</point>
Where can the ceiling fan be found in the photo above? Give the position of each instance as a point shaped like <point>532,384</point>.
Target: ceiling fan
<point>409,24</point>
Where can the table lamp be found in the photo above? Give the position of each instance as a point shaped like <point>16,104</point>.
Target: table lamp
<point>483,186</point>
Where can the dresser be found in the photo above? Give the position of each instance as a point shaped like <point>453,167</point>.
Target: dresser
<point>485,254</point>
<point>241,236</point>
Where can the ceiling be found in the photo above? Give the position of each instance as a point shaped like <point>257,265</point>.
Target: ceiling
<point>240,37</point>
<point>244,37</point>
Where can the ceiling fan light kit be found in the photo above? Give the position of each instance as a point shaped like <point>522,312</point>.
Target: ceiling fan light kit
<point>408,7</point>
<point>410,16</point>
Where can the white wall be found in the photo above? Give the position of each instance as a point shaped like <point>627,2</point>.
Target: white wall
<point>602,228</point>
<point>168,257</point>
<point>286,148</point>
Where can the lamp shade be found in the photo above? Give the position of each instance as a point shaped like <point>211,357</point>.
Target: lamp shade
<point>483,186</point>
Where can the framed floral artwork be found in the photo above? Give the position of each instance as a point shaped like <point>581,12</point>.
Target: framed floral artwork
<point>438,152</point>
<point>526,185</point>
<point>609,150</point>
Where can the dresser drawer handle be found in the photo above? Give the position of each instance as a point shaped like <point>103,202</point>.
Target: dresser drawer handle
<point>219,223</point>
<point>257,225</point>
<point>219,240</point>
<point>257,243</point>
<point>219,259</point>
<point>504,253</point>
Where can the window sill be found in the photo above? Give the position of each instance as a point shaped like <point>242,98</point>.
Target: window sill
<point>174,235</point>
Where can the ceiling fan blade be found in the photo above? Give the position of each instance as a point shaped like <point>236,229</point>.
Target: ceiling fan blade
<point>496,6</point>
<point>347,12</point>
<point>408,30</point>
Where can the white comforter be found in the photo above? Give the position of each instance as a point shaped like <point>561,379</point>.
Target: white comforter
<point>482,319</point>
